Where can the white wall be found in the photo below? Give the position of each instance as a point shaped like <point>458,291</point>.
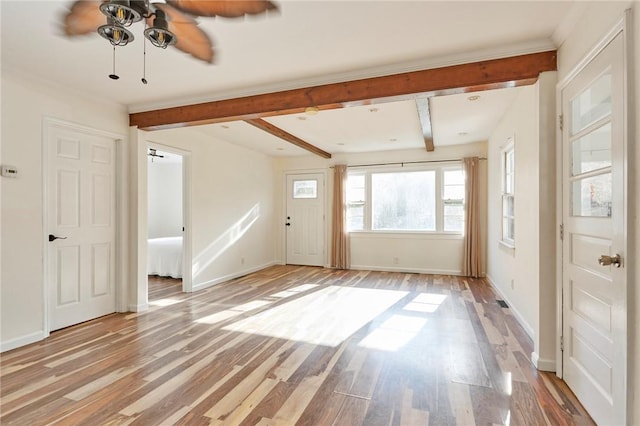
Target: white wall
<point>524,275</point>
<point>164,185</point>
<point>24,106</point>
<point>233,196</point>
<point>514,272</point>
<point>438,254</point>
<point>596,20</point>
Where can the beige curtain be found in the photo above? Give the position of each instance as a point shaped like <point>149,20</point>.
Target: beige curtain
<point>340,258</point>
<point>472,263</point>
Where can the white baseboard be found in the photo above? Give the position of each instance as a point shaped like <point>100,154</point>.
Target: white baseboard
<point>543,364</point>
<point>22,341</point>
<point>234,275</point>
<point>518,316</point>
<point>139,308</point>
<point>407,270</point>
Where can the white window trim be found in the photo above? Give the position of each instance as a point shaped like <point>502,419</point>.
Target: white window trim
<point>439,168</point>
<point>509,147</point>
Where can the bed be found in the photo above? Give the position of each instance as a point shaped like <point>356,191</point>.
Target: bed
<point>164,257</point>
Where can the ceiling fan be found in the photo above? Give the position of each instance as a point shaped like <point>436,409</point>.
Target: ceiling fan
<point>166,24</point>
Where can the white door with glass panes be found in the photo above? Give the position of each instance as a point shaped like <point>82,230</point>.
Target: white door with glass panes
<point>594,284</point>
<point>81,225</point>
<point>305,219</point>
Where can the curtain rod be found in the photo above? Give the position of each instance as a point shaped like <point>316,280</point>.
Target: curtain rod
<point>402,163</point>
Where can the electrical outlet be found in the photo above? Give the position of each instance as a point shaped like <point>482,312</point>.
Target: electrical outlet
<point>512,284</point>
<point>242,260</point>
<point>396,261</point>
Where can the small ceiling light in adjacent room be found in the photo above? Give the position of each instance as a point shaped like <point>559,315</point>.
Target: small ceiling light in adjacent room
<point>224,126</point>
<point>463,133</point>
<point>302,118</point>
<point>373,110</point>
<point>341,143</point>
<point>393,140</point>
<point>280,149</point>
<point>311,110</point>
<point>473,98</point>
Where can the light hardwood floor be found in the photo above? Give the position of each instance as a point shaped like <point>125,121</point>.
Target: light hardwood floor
<point>292,345</point>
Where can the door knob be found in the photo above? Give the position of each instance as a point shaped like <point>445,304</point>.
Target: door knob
<point>605,260</point>
<point>53,238</point>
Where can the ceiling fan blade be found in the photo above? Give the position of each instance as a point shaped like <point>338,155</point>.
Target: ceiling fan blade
<point>191,39</point>
<point>224,8</point>
<point>84,17</point>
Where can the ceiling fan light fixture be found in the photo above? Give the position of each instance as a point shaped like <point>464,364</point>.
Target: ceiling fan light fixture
<point>121,12</point>
<point>159,35</point>
<point>115,33</point>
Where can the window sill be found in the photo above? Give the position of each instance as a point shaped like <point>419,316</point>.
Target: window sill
<point>407,235</point>
<point>509,247</point>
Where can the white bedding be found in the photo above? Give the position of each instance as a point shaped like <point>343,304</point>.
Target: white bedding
<point>164,257</point>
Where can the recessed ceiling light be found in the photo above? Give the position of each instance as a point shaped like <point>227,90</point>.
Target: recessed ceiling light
<point>311,110</point>
<point>224,126</point>
<point>340,143</point>
<point>474,97</point>
<point>302,118</point>
<point>280,149</point>
<point>373,110</point>
<point>463,133</point>
<point>393,140</point>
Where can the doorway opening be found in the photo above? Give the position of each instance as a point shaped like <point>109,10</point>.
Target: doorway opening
<point>168,242</point>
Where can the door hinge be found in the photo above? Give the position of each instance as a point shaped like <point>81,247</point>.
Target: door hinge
<point>561,121</point>
<point>561,343</point>
<point>561,232</point>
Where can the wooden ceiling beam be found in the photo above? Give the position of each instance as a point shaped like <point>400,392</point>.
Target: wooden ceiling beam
<point>422,105</point>
<point>277,131</point>
<point>484,75</point>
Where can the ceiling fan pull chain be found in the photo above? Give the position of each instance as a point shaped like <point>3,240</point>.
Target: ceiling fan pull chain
<point>114,76</point>
<point>144,58</point>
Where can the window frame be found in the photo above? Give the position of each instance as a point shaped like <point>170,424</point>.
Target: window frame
<point>439,192</point>
<point>452,201</point>
<point>508,181</point>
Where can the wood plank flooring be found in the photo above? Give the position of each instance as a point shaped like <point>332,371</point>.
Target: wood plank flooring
<point>292,345</point>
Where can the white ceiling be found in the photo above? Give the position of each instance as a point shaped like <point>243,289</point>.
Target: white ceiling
<point>306,43</point>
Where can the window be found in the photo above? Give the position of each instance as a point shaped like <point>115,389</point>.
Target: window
<point>305,189</point>
<point>404,201</point>
<point>355,202</point>
<point>508,194</point>
<point>453,200</point>
<point>422,200</point>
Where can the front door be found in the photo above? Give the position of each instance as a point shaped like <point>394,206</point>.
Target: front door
<point>594,285</point>
<point>81,225</point>
<point>305,219</point>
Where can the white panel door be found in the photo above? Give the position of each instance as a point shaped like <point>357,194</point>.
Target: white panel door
<point>594,295</point>
<point>81,226</point>
<point>305,219</point>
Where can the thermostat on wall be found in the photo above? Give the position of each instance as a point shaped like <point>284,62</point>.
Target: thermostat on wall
<point>9,171</point>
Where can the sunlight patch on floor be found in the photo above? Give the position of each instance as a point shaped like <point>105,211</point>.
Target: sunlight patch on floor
<point>326,317</point>
<point>164,302</point>
<point>394,333</point>
<point>426,303</point>
<point>294,291</point>
<point>233,312</point>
